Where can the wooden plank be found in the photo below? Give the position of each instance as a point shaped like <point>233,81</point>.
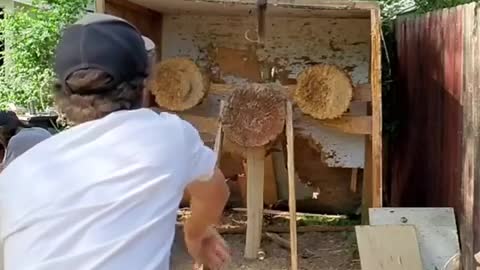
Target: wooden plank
<point>292,201</point>
<point>354,180</point>
<point>313,4</point>
<point>469,217</point>
<point>436,230</point>
<point>270,192</point>
<point>367,181</point>
<point>255,178</point>
<point>100,6</point>
<point>361,125</point>
<point>361,92</point>
<point>376,82</point>
<point>219,136</point>
<point>281,174</point>
<point>390,247</point>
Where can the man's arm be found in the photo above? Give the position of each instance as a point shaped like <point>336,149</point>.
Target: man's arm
<point>208,199</point>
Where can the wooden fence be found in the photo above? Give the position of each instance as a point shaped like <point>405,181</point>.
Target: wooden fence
<point>435,160</point>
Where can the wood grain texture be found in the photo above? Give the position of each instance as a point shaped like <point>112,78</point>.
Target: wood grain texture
<point>367,185</point>
<point>469,218</point>
<point>354,181</point>
<point>361,92</point>
<point>292,201</point>
<point>390,247</point>
<point>100,6</point>
<point>376,82</point>
<point>255,176</point>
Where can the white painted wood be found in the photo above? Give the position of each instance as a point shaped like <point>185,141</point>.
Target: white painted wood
<point>436,230</point>
<point>293,43</point>
<point>276,7</point>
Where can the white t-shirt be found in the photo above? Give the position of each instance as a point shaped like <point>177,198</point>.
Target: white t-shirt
<point>102,195</point>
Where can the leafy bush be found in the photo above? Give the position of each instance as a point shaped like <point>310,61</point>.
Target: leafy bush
<point>31,34</point>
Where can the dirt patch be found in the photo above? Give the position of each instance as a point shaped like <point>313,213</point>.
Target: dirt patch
<point>317,250</point>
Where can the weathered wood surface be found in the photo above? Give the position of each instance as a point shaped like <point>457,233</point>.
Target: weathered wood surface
<point>434,161</point>
<point>255,176</point>
<point>337,9</point>
<point>290,48</point>
<point>292,199</point>
<point>390,247</point>
<point>376,82</point>
<point>436,231</point>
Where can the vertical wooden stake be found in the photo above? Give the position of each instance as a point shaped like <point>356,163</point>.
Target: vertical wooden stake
<point>217,148</point>
<point>354,180</point>
<point>255,178</point>
<point>292,200</point>
<point>100,6</point>
<point>219,136</point>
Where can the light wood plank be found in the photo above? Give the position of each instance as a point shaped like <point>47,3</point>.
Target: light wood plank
<point>354,181</point>
<point>217,147</point>
<point>361,93</point>
<point>350,124</point>
<point>292,200</point>
<point>376,82</point>
<point>100,6</point>
<point>255,179</point>
<point>367,181</point>
<point>436,232</point>
<point>390,247</point>
<point>270,191</point>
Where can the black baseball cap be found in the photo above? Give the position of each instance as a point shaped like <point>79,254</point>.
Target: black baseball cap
<point>103,42</point>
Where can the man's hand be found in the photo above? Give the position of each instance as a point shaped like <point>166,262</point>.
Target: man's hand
<point>210,249</point>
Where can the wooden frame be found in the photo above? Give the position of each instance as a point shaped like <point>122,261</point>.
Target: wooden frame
<point>369,125</point>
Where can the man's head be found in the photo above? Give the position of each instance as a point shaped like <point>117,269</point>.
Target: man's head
<point>9,125</point>
<point>101,64</point>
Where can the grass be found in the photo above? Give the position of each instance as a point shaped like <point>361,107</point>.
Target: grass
<point>327,220</point>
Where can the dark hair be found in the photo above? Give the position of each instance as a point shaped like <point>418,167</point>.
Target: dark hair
<point>9,125</point>
<point>82,97</point>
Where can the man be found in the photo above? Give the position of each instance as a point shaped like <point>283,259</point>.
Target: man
<point>104,194</point>
<point>17,137</point>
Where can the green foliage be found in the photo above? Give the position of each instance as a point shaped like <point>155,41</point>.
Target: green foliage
<point>31,34</point>
<point>430,5</point>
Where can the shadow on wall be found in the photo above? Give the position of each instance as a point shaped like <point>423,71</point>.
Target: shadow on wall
<point>425,167</point>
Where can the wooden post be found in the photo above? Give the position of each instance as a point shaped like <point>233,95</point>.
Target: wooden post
<point>219,136</point>
<point>372,175</point>
<point>354,180</point>
<point>376,82</point>
<point>255,178</point>
<point>100,6</point>
<point>292,200</point>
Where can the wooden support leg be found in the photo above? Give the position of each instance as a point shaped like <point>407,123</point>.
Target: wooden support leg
<point>255,183</point>
<point>292,200</point>
<point>367,201</point>
<point>353,181</point>
<point>217,148</point>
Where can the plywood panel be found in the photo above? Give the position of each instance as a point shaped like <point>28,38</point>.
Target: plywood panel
<point>436,229</point>
<point>388,247</point>
<point>291,45</point>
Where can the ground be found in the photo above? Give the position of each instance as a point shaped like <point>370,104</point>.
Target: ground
<point>317,251</point>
